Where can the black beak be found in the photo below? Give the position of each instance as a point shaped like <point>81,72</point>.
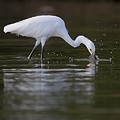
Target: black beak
<point>93,57</point>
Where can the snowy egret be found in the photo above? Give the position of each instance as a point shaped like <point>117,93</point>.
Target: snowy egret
<point>45,26</point>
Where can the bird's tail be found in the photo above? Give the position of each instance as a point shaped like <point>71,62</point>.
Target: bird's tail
<point>11,28</point>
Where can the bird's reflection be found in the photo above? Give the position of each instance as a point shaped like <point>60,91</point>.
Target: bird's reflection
<point>44,89</point>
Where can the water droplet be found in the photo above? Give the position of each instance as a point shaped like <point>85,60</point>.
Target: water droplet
<point>104,34</point>
<point>110,59</point>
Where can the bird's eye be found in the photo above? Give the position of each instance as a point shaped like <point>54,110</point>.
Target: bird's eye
<point>91,51</point>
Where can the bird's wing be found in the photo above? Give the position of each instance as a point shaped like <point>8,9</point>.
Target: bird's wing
<point>32,27</point>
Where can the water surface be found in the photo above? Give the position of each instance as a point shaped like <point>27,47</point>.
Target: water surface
<point>61,87</point>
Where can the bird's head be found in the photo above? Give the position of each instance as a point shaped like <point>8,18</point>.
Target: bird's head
<point>91,48</point>
<point>88,43</point>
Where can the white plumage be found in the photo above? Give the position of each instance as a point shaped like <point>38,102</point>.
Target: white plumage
<point>43,27</point>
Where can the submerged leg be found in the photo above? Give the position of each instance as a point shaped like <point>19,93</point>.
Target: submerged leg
<point>31,53</point>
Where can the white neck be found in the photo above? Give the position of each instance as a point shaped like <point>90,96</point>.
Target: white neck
<point>77,41</point>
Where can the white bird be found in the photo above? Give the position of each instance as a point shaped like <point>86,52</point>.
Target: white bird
<point>45,26</point>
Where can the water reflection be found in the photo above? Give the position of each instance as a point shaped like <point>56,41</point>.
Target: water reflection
<point>1,80</point>
<point>49,90</point>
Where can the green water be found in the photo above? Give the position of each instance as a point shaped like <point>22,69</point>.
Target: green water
<point>65,85</point>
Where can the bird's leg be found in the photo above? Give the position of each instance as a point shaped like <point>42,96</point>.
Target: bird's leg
<point>31,53</point>
<point>43,40</point>
<point>42,52</point>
